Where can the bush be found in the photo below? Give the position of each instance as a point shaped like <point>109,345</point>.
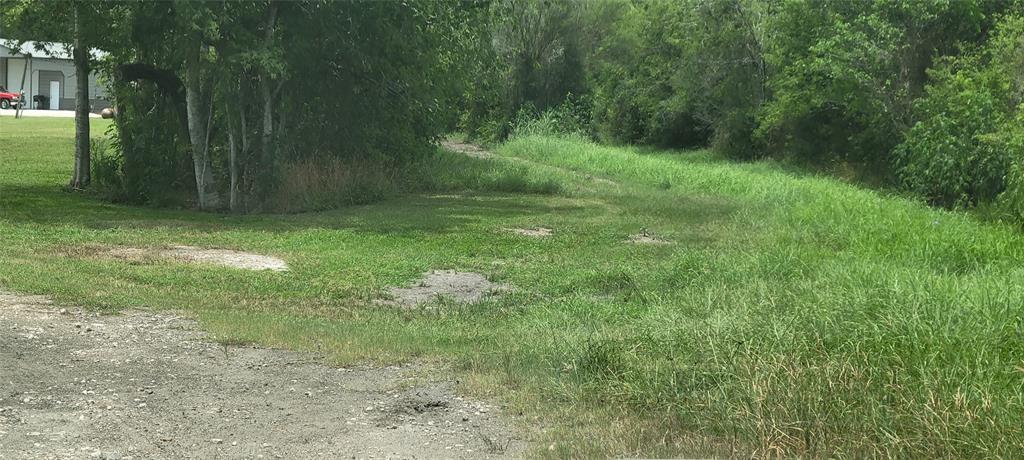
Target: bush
<point>845,75</point>
<point>949,157</point>
<point>154,162</point>
<point>107,172</point>
<point>571,117</point>
<point>960,151</point>
<point>734,136</point>
<point>1011,202</point>
<point>652,84</point>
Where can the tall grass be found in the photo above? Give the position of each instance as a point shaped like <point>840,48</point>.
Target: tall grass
<point>320,184</point>
<point>793,316</point>
<point>828,321</point>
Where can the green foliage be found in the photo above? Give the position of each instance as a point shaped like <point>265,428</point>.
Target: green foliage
<point>657,79</point>
<point>1012,199</point>
<point>287,82</point>
<point>529,56</point>
<point>107,170</point>
<point>148,148</point>
<point>960,151</point>
<point>948,156</point>
<point>570,118</point>
<point>645,75</point>
<point>845,74</point>
<point>377,89</point>
<point>917,93</point>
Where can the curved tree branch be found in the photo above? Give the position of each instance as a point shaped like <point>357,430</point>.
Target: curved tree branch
<point>166,81</point>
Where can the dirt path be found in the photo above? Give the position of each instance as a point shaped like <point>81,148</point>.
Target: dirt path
<point>146,385</point>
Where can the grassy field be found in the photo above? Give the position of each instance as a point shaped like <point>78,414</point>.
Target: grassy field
<point>792,315</point>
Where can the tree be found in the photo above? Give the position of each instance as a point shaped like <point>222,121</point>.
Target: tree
<point>210,83</point>
<point>845,75</point>
<point>679,73</point>
<point>963,148</point>
<point>80,176</point>
<point>533,58</point>
<point>82,26</point>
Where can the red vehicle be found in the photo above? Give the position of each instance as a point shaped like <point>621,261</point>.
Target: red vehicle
<point>7,100</point>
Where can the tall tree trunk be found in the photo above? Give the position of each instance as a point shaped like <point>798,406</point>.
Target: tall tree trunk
<point>244,137</point>
<point>233,167</point>
<point>267,140</point>
<point>267,137</point>
<point>233,140</point>
<point>238,147</point>
<point>197,107</point>
<point>80,177</point>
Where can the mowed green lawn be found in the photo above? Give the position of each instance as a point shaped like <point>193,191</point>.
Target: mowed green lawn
<point>792,315</point>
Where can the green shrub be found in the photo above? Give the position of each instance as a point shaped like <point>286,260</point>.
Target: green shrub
<point>960,151</point>
<point>948,156</point>
<point>844,75</point>
<point>1011,202</point>
<point>107,172</point>
<point>155,163</point>
<point>660,81</point>
<point>734,136</point>
<point>571,117</point>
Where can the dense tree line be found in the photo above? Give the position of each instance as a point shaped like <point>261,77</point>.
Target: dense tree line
<point>214,98</point>
<point>922,94</point>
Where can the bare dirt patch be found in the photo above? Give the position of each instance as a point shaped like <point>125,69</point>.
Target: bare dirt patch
<point>153,386</point>
<point>647,238</point>
<point>462,287</point>
<point>192,254</point>
<point>535,232</point>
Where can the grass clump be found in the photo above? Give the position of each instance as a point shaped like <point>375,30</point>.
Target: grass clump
<point>824,320</point>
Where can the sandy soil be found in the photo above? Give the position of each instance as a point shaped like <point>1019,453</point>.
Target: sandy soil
<point>646,238</point>
<point>152,386</point>
<point>192,254</point>
<point>462,287</point>
<point>536,232</point>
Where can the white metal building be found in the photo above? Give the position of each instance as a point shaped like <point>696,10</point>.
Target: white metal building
<point>46,69</point>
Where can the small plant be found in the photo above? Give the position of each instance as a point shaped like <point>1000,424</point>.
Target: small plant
<point>226,344</point>
<point>107,170</point>
<point>493,445</point>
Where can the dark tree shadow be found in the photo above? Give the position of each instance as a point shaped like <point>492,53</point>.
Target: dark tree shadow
<point>412,214</point>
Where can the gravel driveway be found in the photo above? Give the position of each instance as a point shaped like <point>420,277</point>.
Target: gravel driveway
<point>146,385</point>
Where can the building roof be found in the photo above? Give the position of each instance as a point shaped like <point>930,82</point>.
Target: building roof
<point>55,50</point>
